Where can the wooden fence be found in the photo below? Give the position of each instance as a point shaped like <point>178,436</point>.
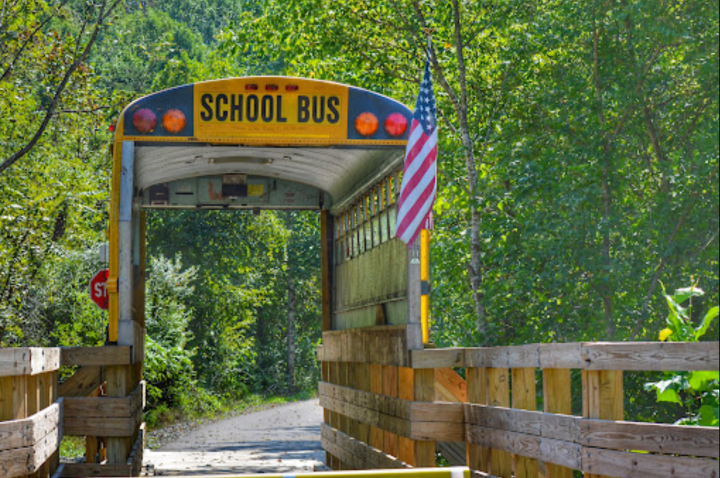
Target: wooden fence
<point>30,412</point>
<point>388,410</point>
<point>36,412</point>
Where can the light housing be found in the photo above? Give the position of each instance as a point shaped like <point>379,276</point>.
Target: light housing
<point>174,121</point>
<point>367,124</point>
<point>144,121</point>
<point>396,124</point>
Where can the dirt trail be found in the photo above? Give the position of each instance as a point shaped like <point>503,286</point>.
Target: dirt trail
<point>283,439</point>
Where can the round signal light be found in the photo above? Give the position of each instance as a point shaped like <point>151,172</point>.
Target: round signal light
<point>396,124</point>
<point>367,124</point>
<point>144,121</point>
<point>174,121</point>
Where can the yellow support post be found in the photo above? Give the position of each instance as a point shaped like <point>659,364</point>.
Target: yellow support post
<point>425,279</point>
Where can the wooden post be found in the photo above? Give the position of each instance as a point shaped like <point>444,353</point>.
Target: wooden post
<point>425,392</point>
<point>603,397</point>
<point>118,449</point>
<point>499,396</point>
<point>557,397</point>
<point>524,397</point>
<point>477,392</point>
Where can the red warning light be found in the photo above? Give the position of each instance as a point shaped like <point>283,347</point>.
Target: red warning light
<point>145,121</point>
<point>272,87</point>
<point>292,87</point>
<point>251,87</point>
<point>396,124</point>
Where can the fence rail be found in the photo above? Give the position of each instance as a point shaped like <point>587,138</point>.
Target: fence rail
<point>499,422</point>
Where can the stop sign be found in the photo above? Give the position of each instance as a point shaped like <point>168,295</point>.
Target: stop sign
<point>98,289</point>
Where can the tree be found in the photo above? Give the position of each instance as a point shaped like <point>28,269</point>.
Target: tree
<point>36,53</point>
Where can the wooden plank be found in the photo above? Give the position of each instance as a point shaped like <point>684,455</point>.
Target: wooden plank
<point>652,356</point>
<point>118,443</point>
<point>437,358</point>
<point>391,443</point>
<point>13,404</point>
<point>547,449</point>
<point>28,431</point>
<point>105,407</point>
<point>651,437</point>
<point>620,464</point>
<point>376,387</point>
<point>602,397</point>
<point>95,356</point>
<point>377,345</point>
<point>524,397</point>
<point>561,356</point>
<point>406,391</point>
<point>73,470</point>
<point>499,396</point>
<point>424,383</point>
<point>357,454</point>
<point>28,361</point>
<point>477,383</point>
<point>557,395</point>
<point>450,386</point>
<point>85,380</point>
<point>547,425</point>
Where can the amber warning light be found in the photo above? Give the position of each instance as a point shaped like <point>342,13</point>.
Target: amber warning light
<point>367,124</point>
<point>174,121</point>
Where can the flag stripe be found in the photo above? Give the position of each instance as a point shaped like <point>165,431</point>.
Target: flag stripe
<point>419,184</point>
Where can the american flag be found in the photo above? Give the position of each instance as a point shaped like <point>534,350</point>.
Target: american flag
<point>419,184</point>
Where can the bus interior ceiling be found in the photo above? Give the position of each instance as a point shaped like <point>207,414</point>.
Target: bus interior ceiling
<point>241,177</point>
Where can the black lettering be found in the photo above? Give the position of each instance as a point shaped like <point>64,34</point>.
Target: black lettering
<point>334,114</point>
<point>303,109</point>
<point>236,108</point>
<point>280,117</point>
<point>206,102</point>
<point>268,109</point>
<point>220,113</point>
<point>318,110</point>
<point>253,107</point>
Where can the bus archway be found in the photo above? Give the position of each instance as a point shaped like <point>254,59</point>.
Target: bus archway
<point>270,143</point>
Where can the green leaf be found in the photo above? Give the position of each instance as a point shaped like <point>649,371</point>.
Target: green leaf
<point>699,380</point>
<point>709,416</point>
<point>707,322</point>
<point>681,295</point>
<point>669,395</point>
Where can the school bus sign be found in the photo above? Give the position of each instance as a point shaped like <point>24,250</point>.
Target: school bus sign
<point>268,110</point>
<point>282,109</point>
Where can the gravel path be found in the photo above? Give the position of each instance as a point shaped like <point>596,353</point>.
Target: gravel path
<point>281,439</point>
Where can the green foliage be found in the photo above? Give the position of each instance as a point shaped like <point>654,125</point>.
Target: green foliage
<point>697,392</point>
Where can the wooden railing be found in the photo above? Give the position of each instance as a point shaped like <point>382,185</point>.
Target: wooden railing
<point>30,412</point>
<point>506,435</point>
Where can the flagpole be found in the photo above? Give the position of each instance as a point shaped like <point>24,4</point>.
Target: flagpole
<point>425,281</point>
